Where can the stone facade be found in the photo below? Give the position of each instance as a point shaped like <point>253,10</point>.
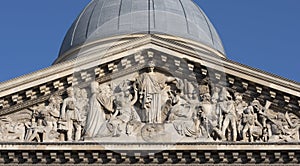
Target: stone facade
<point>148,99</point>
<point>151,106</point>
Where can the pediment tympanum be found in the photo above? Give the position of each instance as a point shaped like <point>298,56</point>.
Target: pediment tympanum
<point>155,101</point>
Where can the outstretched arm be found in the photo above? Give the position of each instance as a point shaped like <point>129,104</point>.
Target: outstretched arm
<point>171,79</point>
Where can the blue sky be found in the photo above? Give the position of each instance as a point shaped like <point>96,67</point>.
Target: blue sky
<point>263,34</point>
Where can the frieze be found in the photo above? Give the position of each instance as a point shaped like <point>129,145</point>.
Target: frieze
<point>28,103</point>
<point>148,104</point>
<point>133,60</point>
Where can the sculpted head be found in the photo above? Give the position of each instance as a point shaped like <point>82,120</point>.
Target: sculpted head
<point>105,89</point>
<point>238,97</point>
<point>206,97</point>
<point>192,95</point>
<point>94,87</point>
<point>70,92</point>
<point>225,95</point>
<point>151,66</point>
<point>256,104</point>
<point>52,99</point>
<point>125,87</point>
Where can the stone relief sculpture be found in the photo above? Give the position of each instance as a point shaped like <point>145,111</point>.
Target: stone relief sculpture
<point>43,126</point>
<point>13,127</point>
<point>240,107</point>
<point>34,130</point>
<point>209,117</point>
<point>96,115</point>
<point>71,116</point>
<point>125,111</point>
<point>230,118</point>
<point>11,131</point>
<point>152,87</point>
<point>100,109</point>
<point>251,125</point>
<point>82,102</point>
<point>184,116</point>
<point>152,107</point>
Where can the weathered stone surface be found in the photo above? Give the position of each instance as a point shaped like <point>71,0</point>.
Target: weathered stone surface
<point>152,104</point>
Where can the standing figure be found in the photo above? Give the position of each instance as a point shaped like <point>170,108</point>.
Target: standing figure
<point>82,103</point>
<point>250,125</point>
<point>209,116</point>
<point>50,117</point>
<point>71,115</point>
<point>99,110</point>
<point>43,126</point>
<point>34,130</point>
<point>152,85</point>
<point>228,108</point>
<point>215,100</point>
<point>240,107</point>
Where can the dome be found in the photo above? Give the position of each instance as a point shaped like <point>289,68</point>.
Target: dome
<point>102,19</point>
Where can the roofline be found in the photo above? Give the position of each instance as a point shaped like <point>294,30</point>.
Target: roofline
<point>77,49</point>
<point>65,68</point>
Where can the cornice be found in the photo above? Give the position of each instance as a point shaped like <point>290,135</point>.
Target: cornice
<point>150,154</point>
<point>207,146</point>
<point>196,53</point>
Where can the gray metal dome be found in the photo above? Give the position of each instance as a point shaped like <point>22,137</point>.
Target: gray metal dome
<point>108,18</point>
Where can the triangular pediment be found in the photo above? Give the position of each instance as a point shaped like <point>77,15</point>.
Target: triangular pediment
<point>186,98</point>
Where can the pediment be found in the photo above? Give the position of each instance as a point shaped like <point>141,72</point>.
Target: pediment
<point>150,92</point>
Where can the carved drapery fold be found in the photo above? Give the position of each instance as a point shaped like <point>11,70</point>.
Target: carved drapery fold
<point>151,106</point>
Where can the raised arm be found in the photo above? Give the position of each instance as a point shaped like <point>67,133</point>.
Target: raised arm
<point>133,101</point>
<point>63,109</point>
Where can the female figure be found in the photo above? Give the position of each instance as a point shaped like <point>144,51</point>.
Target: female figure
<point>100,108</point>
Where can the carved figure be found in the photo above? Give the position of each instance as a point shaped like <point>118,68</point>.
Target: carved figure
<point>96,115</point>
<point>285,128</point>
<point>153,133</point>
<point>215,99</point>
<point>184,116</point>
<point>152,86</point>
<point>208,115</point>
<point>240,107</point>
<point>100,108</point>
<point>12,127</point>
<point>71,115</point>
<point>266,117</point>
<point>34,130</point>
<point>12,131</point>
<point>215,96</point>
<point>230,118</point>
<point>45,121</point>
<point>251,125</point>
<point>125,111</point>
<point>50,114</point>
<point>16,131</point>
<point>82,103</point>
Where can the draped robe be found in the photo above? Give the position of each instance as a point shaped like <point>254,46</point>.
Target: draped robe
<point>96,113</point>
<point>151,88</point>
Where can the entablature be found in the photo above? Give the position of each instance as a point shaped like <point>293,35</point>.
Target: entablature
<point>175,75</point>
